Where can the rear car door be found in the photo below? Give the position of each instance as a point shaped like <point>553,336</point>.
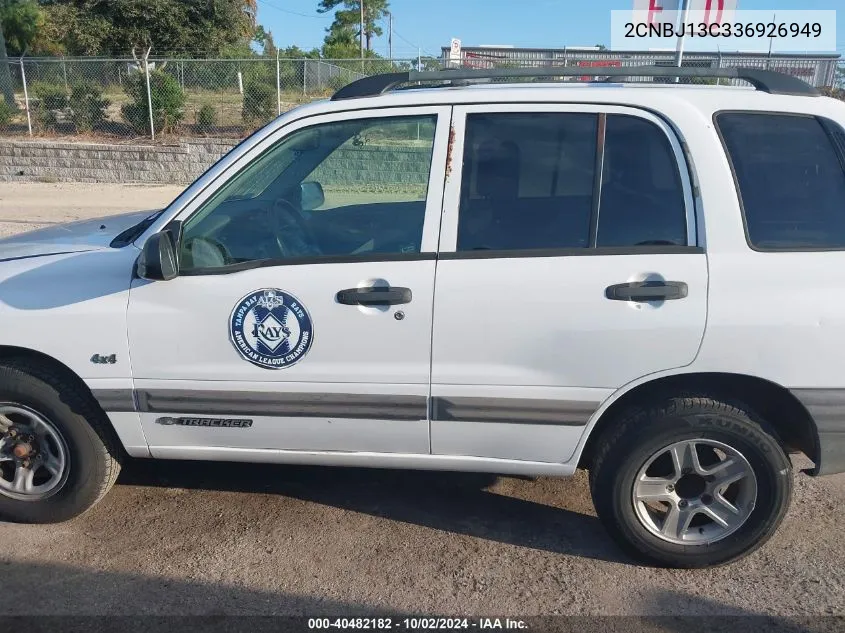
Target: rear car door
<point>569,266</point>
<point>269,338</point>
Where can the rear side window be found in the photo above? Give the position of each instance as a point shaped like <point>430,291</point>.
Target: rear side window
<point>528,181</point>
<point>791,179</point>
<point>567,180</point>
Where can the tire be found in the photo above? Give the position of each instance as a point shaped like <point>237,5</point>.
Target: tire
<point>91,464</point>
<point>626,456</point>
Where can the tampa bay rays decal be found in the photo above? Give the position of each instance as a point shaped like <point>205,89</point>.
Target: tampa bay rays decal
<point>271,328</point>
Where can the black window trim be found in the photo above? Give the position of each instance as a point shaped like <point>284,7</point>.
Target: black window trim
<point>431,256</point>
<point>598,180</point>
<point>178,222</point>
<point>824,123</point>
<point>310,260</point>
<point>572,252</point>
<point>682,164</point>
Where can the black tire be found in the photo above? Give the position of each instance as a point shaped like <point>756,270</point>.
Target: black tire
<point>93,454</point>
<point>642,432</point>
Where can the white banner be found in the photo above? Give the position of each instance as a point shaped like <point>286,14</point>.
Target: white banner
<point>455,51</point>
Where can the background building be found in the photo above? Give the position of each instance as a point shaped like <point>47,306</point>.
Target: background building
<point>816,69</point>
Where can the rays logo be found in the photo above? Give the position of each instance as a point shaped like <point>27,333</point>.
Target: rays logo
<point>270,328</point>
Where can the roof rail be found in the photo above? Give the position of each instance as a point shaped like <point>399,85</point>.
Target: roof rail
<point>764,80</point>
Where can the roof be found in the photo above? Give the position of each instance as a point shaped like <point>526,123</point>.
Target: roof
<point>660,97</point>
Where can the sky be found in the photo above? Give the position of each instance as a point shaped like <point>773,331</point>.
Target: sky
<point>427,25</point>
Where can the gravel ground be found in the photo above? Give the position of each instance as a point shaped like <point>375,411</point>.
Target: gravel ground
<point>194,538</point>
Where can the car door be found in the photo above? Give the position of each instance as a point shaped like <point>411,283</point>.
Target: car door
<point>568,267</point>
<point>301,315</point>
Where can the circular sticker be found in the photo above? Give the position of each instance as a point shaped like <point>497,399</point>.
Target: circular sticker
<point>270,328</point>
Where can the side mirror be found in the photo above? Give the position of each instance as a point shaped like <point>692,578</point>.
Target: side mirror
<point>312,195</point>
<point>157,261</point>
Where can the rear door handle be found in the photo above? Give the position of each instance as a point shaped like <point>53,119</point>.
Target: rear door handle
<point>374,296</point>
<point>647,291</point>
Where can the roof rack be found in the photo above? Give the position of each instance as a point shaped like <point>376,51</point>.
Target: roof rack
<point>764,80</point>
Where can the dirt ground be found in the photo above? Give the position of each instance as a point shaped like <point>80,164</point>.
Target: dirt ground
<point>30,205</point>
<point>193,538</point>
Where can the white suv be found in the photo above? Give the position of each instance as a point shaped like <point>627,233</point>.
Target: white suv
<point>640,279</point>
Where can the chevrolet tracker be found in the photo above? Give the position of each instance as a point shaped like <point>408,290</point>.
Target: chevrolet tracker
<point>444,270</point>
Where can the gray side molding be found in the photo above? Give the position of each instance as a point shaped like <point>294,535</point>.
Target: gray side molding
<point>513,410</point>
<point>299,405</point>
<point>115,400</point>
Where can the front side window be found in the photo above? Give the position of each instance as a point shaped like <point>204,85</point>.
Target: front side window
<point>549,180</point>
<point>339,189</point>
<point>791,179</point>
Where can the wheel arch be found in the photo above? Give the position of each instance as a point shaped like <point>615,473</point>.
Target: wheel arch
<point>793,425</point>
<point>11,353</point>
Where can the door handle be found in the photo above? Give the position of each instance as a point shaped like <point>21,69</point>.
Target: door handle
<point>374,296</point>
<point>647,291</point>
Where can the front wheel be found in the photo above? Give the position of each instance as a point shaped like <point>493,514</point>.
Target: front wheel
<point>692,482</point>
<point>57,456</point>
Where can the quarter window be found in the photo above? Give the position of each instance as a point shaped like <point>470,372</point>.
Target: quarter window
<point>790,177</point>
<point>350,188</point>
<point>642,200</point>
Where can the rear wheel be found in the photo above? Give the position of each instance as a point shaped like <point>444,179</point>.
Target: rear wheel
<point>693,482</point>
<point>57,457</point>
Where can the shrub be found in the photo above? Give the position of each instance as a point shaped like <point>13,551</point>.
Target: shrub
<point>259,102</point>
<point>49,98</point>
<point>836,93</point>
<point>206,116</point>
<point>338,81</point>
<point>168,101</point>
<point>6,112</point>
<point>87,106</point>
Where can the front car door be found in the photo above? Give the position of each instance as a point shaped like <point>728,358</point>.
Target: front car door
<point>301,316</point>
<point>569,266</point>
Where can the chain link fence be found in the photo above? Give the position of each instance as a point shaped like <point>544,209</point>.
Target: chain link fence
<point>132,98</point>
<point>162,98</point>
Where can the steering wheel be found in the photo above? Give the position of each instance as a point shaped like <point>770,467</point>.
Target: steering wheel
<point>293,235</point>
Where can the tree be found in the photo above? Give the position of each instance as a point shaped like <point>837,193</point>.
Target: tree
<point>21,20</point>
<point>347,22</point>
<point>294,52</point>
<point>341,44</point>
<point>5,75</point>
<point>265,40</point>
<point>198,27</point>
<point>75,30</point>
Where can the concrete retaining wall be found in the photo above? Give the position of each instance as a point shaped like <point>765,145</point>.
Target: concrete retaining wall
<point>182,163</point>
<point>373,165</point>
<point>92,162</point>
